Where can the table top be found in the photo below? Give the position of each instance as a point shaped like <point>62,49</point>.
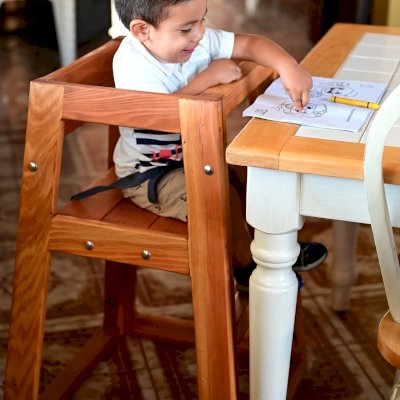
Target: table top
<point>283,146</point>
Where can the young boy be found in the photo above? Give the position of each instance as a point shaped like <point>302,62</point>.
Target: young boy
<point>170,50</point>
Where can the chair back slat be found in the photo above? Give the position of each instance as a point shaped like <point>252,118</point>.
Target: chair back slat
<point>94,68</point>
<point>121,107</point>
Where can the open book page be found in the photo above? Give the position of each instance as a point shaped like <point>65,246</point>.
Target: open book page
<point>276,105</point>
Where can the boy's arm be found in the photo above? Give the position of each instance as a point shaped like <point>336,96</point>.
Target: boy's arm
<point>218,72</point>
<point>263,51</point>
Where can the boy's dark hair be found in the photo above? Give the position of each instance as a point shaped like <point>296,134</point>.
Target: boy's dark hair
<point>151,11</point>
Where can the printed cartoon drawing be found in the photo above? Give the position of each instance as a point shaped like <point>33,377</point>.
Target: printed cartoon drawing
<point>310,110</point>
<point>261,111</point>
<point>341,89</point>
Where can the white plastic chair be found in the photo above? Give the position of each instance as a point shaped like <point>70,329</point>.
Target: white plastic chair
<point>389,327</point>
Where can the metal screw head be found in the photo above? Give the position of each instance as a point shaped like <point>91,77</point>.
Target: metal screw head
<point>32,166</point>
<point>146,255</point>
<point>89,245</point>
<point>208,170</point>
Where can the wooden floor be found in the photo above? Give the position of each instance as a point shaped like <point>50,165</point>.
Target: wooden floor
<point>343,362</point>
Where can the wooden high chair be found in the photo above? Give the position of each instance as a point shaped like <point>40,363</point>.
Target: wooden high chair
<point>109,227</point>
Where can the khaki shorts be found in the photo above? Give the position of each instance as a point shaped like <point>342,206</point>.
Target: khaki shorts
<point>171,196</point>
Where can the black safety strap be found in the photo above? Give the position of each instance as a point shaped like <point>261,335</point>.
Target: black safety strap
<point>152,175</point>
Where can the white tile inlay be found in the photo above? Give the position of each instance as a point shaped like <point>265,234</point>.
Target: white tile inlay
<point>363,75</point>
<point>375,58</point>
<point>329,134</point>
<point>375,51</point>
<point>381,39</point>
<point>370,64</point>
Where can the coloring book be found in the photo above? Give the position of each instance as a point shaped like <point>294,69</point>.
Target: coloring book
<point>276,105</point>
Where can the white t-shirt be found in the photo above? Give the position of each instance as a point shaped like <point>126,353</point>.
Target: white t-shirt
<point>134,68</point>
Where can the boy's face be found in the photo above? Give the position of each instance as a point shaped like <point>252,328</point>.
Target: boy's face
<point>177,36</point>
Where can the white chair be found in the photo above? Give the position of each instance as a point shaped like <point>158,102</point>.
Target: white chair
<point>389,327</point>
<point>65,23</point>
<point>117,27</point>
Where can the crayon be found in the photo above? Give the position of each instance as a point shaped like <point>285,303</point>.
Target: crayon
<point>354,102</point>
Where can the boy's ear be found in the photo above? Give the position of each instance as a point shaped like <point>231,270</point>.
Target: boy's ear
<point>139,29</point>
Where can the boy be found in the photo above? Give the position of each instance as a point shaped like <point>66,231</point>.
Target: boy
<point>169,50</point>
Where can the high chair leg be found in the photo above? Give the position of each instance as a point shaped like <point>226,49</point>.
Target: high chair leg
<point>215,338</point>
<point>27,325</point>
<point>212,281</point>
<point>41,170</point>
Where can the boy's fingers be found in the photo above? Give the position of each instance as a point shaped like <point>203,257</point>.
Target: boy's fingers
<point>298,105</point>
<point>301,101</point>
<point>305,97</point>
<point>297,100</point>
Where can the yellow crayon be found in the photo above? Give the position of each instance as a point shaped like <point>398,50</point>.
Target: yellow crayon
<point>353,102</point>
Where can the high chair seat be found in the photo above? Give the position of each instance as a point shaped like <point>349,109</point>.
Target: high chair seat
<point>107,226</point>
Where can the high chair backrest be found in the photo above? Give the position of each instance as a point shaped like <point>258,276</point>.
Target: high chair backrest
<point>109,227</point>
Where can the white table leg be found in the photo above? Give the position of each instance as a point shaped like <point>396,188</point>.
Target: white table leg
<point>273,209</point>
<point>343,273</point>
<point>273,295</point>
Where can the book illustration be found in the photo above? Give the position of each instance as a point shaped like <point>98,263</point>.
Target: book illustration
<point>276,105</point>
<point>311,110</point>
<point>331,88</point>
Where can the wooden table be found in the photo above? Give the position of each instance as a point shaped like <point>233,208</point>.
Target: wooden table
<point>297,172</point>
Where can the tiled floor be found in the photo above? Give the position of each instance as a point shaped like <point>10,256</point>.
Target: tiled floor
<point>343,362</point>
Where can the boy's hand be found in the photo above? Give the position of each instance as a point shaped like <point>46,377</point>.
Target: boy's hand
<point>223,71</point>
<point>298,83</point>
<point>264,51</point>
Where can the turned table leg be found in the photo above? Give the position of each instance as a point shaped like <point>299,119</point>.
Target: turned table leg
<point>343,273</point>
